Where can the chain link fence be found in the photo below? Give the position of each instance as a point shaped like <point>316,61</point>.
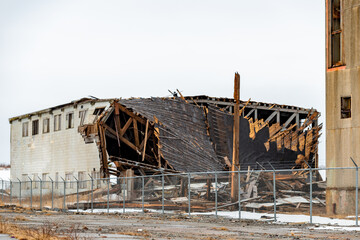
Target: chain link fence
<point>239,194</point>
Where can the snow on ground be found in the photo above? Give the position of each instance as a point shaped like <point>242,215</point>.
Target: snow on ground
<point>325,223</point>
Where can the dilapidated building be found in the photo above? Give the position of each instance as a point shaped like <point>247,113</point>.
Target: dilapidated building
<point>140,136</point>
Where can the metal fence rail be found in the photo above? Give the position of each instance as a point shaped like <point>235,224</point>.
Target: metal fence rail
<point>192,193</point>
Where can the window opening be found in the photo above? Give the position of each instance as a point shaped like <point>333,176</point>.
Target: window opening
<point>25,182</point>
<point>25,129</point>
<point>46,125</point>
<point>345,107</point>
<point>45,183</point>
<point>70,120</point>
<point>82,115</point>
<point>335,34</point>
<point>57,122</point>
<point>68,179</point>
<point>35,127</point>
<point>82,181</point>
<point>35,181</point>
<point>98,111</point>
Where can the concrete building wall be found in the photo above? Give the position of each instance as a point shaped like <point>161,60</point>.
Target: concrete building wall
<point>55,153</point>
<point>343,134</point>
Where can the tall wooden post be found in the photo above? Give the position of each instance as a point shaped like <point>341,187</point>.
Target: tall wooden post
<point>236,141</point>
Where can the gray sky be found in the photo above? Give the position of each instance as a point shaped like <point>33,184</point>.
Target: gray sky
<point>53,52</point>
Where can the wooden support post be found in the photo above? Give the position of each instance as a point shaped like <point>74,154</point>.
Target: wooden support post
<point>130,184</point>
<point>136,133</point>
<point>236,141</point>
<point>145,139</point>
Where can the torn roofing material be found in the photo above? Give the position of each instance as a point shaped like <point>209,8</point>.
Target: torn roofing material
<point>183,138</point>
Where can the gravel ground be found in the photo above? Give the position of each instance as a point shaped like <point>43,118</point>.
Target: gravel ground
<point>156,226</point>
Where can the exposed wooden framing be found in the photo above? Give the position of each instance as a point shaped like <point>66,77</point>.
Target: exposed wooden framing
<point>131,114</point>
<point>112,132</point>
<point>145,140</point>
<point>126,126</point>
<point>136,133</point>
<point>135,164</point>
<point>124,140</point>
<point>278,116</point>
<point>117,123</point>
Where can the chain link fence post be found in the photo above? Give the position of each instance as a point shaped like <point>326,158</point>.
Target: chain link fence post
<point>31,193</point>
<point>216,195</point>
<point>10,191</point>
<point>19,191</point>
<point>162,192</point>
<point>189,192</point>
<point>2,187</point>
<point>92,193</point>
<point>123,189</point>
<point>142,193</point>
<point>40,192</point>
<point>274,189</point>
<point>52,193</point>
<point>239,193</point>
<point>64,201</point>
<point>108,194</point>
<point>311,190</point>
<point>77,194</point>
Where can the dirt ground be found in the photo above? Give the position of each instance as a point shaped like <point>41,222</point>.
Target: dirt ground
<point>157,226</point>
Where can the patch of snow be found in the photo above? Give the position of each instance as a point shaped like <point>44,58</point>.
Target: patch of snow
<point>283,218</point>
<point>338,228</point>
<point>325,222</point>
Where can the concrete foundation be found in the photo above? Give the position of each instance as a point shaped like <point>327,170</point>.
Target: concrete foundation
<point>340,201</point>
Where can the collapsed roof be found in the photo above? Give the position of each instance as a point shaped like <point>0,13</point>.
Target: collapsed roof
<point>195,134</point>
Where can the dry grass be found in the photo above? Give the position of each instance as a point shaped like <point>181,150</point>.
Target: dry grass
<point>46,232</point>
<point>22,233</point>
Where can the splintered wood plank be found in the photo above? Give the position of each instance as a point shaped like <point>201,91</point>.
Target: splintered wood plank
<point>145,139</point>
<point>136,133</point>
<point>252,130</point>
<point>301,141</point>
<point>308,143</point>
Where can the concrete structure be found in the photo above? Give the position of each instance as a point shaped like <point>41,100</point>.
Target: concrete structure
<point>342,102</point>
<point>46,144</point>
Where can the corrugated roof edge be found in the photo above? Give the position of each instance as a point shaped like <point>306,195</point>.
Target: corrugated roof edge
<point>47,110</point>
<point>205,97</point>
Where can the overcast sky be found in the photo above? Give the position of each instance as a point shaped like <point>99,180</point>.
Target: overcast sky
<point>53,52</point>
